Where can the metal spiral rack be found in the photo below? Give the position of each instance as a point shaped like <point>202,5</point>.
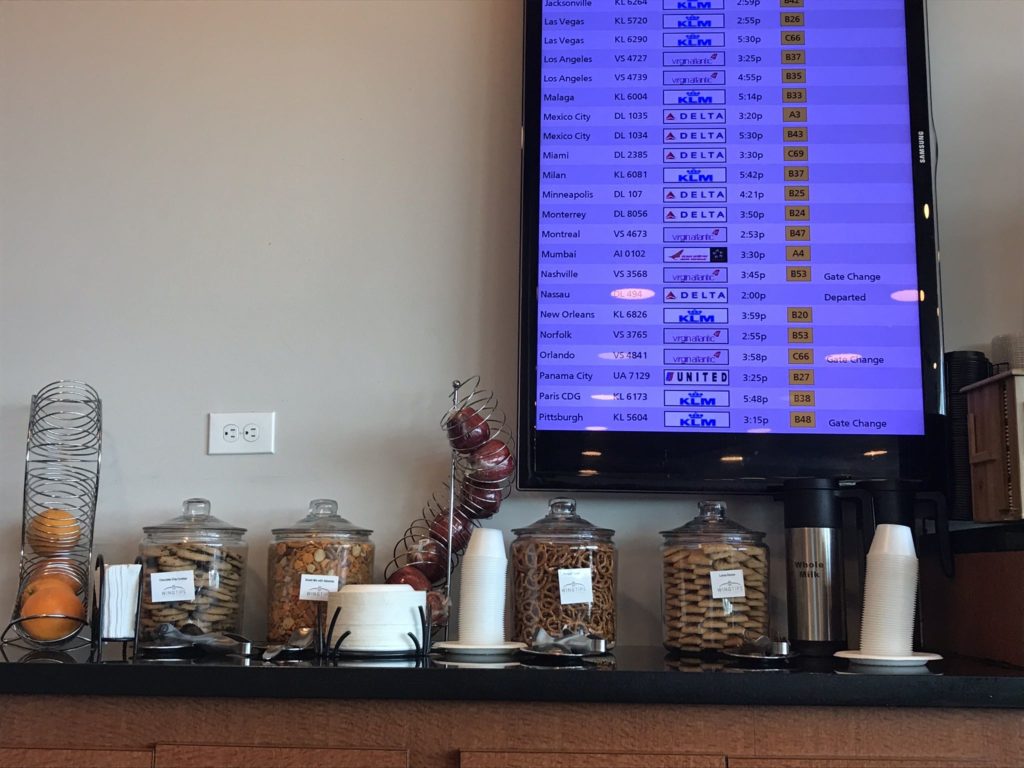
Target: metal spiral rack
<point>62,475</point>
<point>481,475</point>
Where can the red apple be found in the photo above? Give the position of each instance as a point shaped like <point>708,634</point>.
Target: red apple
<point>430,557</point>
<point>437,605</point>
<point>467,430</point>
<point>479,501</point>
<point>459,534</point>
<point>491,462</point>
<point>411,575</point>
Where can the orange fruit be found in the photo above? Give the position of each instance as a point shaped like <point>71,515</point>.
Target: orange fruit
<point>47,581</point>
<point>62,570</point>
<point>60,600</point>
<point>53,531</point>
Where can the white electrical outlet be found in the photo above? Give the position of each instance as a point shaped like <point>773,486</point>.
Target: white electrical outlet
<point>241,433</point>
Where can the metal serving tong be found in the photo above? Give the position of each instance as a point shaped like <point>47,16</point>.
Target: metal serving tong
<point>209,642</point>
<point>758,647</point>
<point>578,643</point>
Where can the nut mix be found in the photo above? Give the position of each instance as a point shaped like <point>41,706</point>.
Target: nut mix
<point>219,575</point>
<point>693,619</point>
<point>351,562</point>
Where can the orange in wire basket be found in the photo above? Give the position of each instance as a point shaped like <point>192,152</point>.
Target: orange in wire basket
<point>59,570</point>
<point>53,531</point>
<point>53,599</point>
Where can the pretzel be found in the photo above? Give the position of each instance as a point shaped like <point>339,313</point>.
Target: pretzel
<point>536,596</point>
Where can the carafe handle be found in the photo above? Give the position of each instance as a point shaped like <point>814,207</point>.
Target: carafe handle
<point>938,501</point>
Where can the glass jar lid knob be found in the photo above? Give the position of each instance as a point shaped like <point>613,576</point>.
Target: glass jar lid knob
<point>196,509</point>
<point>562,507</point>
<point>712,510</point>
<point>323,508</point>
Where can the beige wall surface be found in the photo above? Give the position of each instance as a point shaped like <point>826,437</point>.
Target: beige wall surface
<point>312,208</point>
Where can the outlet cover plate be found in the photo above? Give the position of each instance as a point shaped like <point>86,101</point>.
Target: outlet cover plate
<point>245,432</point>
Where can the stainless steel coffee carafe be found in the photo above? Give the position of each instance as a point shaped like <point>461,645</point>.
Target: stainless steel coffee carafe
<point>815,589</point>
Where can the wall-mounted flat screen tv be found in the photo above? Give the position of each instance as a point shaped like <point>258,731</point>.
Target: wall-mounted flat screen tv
<point>728,271</point>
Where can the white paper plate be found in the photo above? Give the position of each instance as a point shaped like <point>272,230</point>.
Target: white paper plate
<point>915,659</point>
<point>447,664</point>
<point>456,648</point>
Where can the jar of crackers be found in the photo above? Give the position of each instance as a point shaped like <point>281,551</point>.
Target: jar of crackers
<point>193,572</point>
<point>325,548</point>
<point>714,583</point>
<point>563,576</point>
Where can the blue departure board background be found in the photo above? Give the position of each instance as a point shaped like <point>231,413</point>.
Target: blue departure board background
<point>726,218</point>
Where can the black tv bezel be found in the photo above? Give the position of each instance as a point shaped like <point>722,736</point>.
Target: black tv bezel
<point>692,462</point>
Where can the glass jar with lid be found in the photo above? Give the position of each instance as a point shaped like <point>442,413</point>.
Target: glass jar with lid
<point>563,576</point>
<point>201,563</point>
<point>322,543</point>
<point>714,583</point>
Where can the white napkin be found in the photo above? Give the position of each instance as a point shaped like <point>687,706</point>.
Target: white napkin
<point>120,601</point>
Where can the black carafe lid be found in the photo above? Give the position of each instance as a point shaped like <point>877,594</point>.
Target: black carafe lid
<point>810,502</point>
<point>892,501</point>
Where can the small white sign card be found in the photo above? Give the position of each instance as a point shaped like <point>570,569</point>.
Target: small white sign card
<point>173,586</point>
<point>726,584</point>
<point>576,585</point>
<point>317,587</point>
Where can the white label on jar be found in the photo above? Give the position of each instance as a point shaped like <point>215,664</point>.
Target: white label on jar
<point>172,586</point>
<point>316,587</point>
<point>576,585</point>
<point>726,584</point>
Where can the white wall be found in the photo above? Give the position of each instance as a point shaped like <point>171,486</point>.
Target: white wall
<point>977,66</point>
<point>313,208</point>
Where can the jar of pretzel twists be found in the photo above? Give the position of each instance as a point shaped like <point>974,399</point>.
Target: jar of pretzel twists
<point>193,572</point>
<point>320,553</point>
<point>714,583</point>
<point>563,576</point>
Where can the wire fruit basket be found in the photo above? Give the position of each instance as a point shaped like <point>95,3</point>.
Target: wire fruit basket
<point>481,475</point>
<point>62,474</point>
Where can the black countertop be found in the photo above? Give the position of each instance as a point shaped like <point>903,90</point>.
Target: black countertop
<point>637,675</point>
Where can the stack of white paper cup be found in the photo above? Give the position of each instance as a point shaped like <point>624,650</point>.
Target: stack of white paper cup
<point>482,589</point>
<point>890,593</point>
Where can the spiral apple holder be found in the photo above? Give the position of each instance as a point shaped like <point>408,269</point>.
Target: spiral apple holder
<point>62,474</point>
<point>482,471</point>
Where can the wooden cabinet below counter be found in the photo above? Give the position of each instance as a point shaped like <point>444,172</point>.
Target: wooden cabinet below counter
<point>36,757</point>
<point>494,759</point>
<point>186,732</point>
<point>235,756</point>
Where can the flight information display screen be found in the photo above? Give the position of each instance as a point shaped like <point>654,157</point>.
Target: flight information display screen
<point>725,219</point>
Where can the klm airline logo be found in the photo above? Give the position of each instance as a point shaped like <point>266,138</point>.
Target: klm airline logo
<point>694,41</point>
<point>695,97</point>
<point>697,399</point>
<point>695,22</point>
<point>703,419</point>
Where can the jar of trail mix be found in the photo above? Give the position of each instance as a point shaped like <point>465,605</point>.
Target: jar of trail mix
<point>563,576</point>
<point>714,583</point>
<point>322,544</point>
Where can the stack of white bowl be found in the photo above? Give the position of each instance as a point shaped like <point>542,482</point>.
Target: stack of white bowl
<point>482,589</point>
<point>890,592</point>
<point>378,616</point>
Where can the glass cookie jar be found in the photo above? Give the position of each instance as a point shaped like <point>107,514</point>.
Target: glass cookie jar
<point>563,576</point>
<point>199,562</point>
<point>323,544</point>
<point>714,583</point>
